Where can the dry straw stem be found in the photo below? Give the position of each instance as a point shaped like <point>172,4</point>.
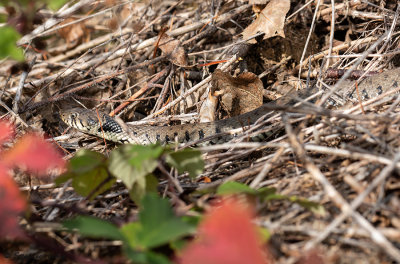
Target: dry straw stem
<point>355,204</point>
<point>337,198</point>
<point>345,160</point>
<point>191,90</point>
<point>112,55</point>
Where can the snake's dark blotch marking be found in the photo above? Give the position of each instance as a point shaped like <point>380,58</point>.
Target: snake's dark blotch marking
<point>201,134</point>
<point>109,125</point>
<point>187,136</point>
<point>380,90</point>
<point>365,95</point>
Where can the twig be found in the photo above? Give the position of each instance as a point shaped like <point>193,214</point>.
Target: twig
<point>337,198</point>
<point>354,204</point>
<point>142,90</point>
<point>90,84</point>
<point>190,91</point>
<point>24,75</point>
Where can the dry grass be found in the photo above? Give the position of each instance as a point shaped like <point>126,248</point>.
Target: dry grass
<point>348,161</point>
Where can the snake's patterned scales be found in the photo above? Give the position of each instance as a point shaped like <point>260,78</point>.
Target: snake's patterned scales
<point>88,121</point>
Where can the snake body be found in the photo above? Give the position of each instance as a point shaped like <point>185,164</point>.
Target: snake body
<point>102,125</point>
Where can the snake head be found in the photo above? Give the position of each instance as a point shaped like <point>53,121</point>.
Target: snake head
<point>70,116</point>
<point>79,118</point>
<point>97,124</point>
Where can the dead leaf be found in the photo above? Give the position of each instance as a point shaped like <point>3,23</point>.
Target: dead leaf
<point>258,2</point>
<point>173,48</point>
<point>227,235</point>
<point>208,108</point>
<point>238,95</point>
<point>129,14</point>
<point>257,8</point>
<point>270,21</point>
<point>75,33</point>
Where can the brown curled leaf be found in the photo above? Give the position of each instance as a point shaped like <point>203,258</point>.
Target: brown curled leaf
<point>258,2</point>
<point>239,94</point>
<point>270,21</point>
<point>208,108</point>
<point>173,48</point>
<point>74,33</point>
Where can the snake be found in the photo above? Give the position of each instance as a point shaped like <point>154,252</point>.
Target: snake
<point>104,126</point>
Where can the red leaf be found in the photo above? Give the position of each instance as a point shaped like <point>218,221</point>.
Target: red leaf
<point>33,153</point>
<point>6,131</point>
<point>226,235</point>
<point>4,260</point>
<point>11,205</point>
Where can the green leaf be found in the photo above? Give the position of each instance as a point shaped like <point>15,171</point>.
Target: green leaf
<point>158,224</point>
<point>269,194</point>
<point>265,234</point>
<point>312,206</point>
<point>275,196</point>
<point>135,256</point>
<point>88,171</point>
<point>132,163</point>
<point>156,258</point>
<point>23,3</point>
<point>137,194</point>
<point>94,227</point>
<point>63,178</point>
<point>55,4</point>
<point>266,192</point>
<point>178,245</point>
<point>8,47</point>
<point>192,220</point>
<point>130,232</point>
<point>3,18</point>
<point>86,183</point>
<point>147,257</point>
<point>187,160</point>
<point>86,160</point>
<point>235,188</point>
